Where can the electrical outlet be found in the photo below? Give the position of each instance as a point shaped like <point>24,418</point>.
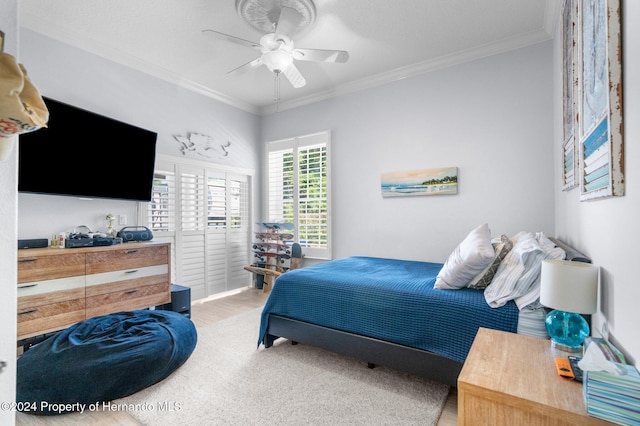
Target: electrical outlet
<point>122,219</point>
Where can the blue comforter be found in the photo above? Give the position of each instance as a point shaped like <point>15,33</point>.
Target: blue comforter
<point>387,299</point>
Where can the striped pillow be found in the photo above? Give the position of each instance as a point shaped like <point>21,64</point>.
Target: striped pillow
<point>503,246</point>
<point>551,251</point>
<point>518,277</point>
<point>516,272</point>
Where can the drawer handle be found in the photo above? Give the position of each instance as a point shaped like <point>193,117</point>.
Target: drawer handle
<point>28,312</point>
<point>27,286</point>
<point>130,251</point>
<point>27,260</point>
<point>131,291</point>
<point>133,271</point>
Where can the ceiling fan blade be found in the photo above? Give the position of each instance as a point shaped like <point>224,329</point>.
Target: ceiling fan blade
<point>319,55</point>
<point>288,22</point>
<point>234,39</point>
<point>293,75</point>
<point>246,67</point>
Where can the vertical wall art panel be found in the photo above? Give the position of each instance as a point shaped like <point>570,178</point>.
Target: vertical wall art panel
<point>569,86</point>
<point>420,182</point>
<point>600,124</point>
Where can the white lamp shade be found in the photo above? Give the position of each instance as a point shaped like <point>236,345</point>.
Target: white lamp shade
<point>569,286</point>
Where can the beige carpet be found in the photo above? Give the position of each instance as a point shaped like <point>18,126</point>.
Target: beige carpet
<point>228,381</point>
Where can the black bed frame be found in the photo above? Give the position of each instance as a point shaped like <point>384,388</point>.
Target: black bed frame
<point>374,351</point>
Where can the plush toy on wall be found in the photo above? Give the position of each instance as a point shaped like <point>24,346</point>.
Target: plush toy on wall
<point>202,145</point>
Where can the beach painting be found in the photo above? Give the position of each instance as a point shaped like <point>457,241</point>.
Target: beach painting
<point>420,182</point>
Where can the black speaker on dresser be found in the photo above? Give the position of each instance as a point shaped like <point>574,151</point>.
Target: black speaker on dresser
<point>180,301</point>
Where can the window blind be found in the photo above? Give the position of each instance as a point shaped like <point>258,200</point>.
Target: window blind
<point>298,172</point>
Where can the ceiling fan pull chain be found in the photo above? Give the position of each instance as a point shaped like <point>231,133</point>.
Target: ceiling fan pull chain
<point>277,91</point>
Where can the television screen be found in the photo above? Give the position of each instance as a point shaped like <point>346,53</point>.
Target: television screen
<point>84,154</point>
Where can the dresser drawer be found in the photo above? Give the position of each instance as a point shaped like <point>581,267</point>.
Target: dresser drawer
<point>127,295</point>
<point>126,258</point>
<point>40,268</point>
<point>42,319</point>
<point>39,293</point>
<point>45,306</point>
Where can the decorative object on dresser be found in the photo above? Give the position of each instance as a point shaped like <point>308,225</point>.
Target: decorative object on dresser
<point>33,243</point>
<point>135,233</point>
<point>571,289</point>
<point>57,288</point>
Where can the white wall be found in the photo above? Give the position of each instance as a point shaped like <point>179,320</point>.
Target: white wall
<point>88,81</point>
<point>8,235</point>
<point>491,118</point>
<point>607,229</point>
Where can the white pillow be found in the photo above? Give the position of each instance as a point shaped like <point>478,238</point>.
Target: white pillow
<point>471,257</point>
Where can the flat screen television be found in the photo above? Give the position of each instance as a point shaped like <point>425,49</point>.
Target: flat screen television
<point>84,154</point>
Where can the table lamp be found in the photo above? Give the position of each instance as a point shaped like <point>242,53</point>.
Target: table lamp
<point>571,289</point>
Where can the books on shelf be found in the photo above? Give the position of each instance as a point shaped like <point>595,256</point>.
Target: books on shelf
<point>613,397</point>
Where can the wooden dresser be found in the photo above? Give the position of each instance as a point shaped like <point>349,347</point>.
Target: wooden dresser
<point>59,287</point>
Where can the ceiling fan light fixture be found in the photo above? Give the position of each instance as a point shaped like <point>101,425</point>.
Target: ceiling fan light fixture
<point>277,60</point>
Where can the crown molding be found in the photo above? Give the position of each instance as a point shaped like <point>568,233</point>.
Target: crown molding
<point>441,62</point>
<point>63,35</point>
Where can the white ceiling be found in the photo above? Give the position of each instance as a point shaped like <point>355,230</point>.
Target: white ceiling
<point>386,39</point>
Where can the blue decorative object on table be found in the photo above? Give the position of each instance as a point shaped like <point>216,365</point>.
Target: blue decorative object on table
<point>571,289</point>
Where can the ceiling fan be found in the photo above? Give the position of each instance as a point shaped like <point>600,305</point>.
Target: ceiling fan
<point>277,48</point>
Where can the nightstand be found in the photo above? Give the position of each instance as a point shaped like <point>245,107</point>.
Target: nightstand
<point>510,379</point>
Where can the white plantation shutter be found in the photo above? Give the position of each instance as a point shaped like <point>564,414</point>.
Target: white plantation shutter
<point>162,206</point>
<point>192,200</point>
<point>161,210</point>
<point>204,213</point>
<point>192,239</point>
<point>298,179</point>
<point>238,230</point>
<point>281,185</point>
<point>216,231</point>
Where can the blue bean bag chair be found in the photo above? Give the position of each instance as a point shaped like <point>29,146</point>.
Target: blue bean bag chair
<point>102,359</point>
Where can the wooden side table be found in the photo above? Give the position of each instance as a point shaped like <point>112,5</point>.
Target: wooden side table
<point>510,379</point>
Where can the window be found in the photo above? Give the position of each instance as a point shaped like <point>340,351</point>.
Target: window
<point>298,180</point>
<point>203,211</point>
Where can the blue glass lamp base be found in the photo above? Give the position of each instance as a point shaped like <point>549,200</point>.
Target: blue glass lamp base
<point>567,330</point>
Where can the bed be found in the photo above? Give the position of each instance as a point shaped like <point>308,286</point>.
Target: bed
<point>389,312</point>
